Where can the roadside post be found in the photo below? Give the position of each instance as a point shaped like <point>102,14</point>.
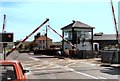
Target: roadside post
<point>5,39</point>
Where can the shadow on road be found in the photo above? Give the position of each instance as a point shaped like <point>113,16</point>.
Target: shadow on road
<point>48,56</point>
<point>42,57</point>
<point>45,73</point>
<point>111,71</point>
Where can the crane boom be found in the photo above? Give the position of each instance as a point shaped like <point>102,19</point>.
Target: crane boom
<point>21,42</point>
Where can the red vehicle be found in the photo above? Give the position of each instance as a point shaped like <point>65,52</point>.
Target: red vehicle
<point>12,71</point>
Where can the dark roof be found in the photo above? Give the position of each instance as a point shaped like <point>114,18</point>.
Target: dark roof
<point>77,24</point>
<point>105,37</point>
<point>43,38</point>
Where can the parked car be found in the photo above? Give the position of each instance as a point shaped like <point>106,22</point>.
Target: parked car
<point>12,71</point>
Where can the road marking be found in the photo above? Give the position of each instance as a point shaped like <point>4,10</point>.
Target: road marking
<point>36,66</point>
<point>70,60</point>
<point>71,64</point>
<point>85,74</point>
<point>60,60</point>
<point>88,63</point>
<point>69,69</point>
<point>57,66</point>
<point>36,59</point>
<point>44,67</point>
<point>101,77</point>
<point>26,64</point>
<point>44,62</point>
<point>30,61</point>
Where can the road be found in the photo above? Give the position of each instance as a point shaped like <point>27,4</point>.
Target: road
<point>51,67</point>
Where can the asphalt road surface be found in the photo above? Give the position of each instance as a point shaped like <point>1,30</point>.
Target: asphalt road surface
<point>51,67</point>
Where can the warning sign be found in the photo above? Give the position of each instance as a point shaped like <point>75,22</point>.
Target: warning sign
<point>6,37</point>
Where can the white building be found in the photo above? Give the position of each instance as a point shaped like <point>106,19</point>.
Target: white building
<point>1,48</point>
<point>43,42</point>
<point>79,34</point>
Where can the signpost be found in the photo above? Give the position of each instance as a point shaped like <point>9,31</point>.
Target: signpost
<point>119,24</point>
<point>5,38</point>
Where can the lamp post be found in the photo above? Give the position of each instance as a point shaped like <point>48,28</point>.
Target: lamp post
<point>46,39</point>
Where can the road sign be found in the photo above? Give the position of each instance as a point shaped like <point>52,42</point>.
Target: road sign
<point>6,37</point>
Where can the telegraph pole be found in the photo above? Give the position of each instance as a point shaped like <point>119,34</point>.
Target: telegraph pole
<point>46,39</point>
<point>3,31</point>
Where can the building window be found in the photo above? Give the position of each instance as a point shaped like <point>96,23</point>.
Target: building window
<point>40,47</point>
<point>43,47</point>
<point>40,42</point>
<point>43,41</point>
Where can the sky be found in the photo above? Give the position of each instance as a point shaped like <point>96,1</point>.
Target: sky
<point>25,16</point>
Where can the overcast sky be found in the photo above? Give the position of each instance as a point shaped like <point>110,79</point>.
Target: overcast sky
<point>24,16</point>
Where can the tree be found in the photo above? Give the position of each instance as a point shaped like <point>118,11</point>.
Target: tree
<point>20,47</point>
<point>37,36</point>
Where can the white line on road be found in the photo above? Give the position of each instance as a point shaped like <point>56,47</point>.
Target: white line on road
<point>36,66</point>
<point>71,64</point>
<point>44,67</point>
<point>36,59</point>
<point>101,77</point>
<point>85,74</point>
<point>27,62</point>
<point>70,69</point>
<point>88,63</point>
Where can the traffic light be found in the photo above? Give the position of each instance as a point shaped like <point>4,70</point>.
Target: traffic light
<point>6,37</point>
